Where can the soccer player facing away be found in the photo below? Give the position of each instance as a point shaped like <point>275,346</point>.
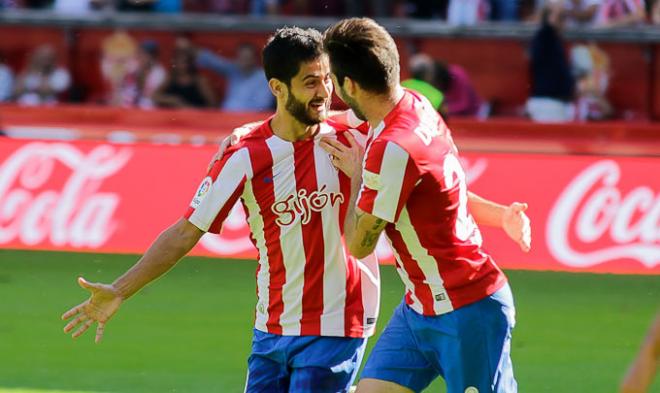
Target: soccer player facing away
<point>316,303</point>
<point>457,314</point>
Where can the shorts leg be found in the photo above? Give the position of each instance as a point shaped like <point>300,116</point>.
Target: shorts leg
<point>479,359</point>
<point>267,370</point>
<point>327,364</point>
<point>397,358</point>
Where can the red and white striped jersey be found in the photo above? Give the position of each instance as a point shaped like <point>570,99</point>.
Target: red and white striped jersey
<point>295,203</point>
<point>413,179</point>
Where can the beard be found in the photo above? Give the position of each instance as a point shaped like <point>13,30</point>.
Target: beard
<point>302,112</point>
<point>351,103</point>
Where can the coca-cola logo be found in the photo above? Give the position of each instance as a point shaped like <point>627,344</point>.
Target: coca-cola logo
<point>49,192</point>
<point>302,205</point>
<point>592,209</point>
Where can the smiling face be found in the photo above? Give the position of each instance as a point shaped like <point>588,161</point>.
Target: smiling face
<point>309,92</point>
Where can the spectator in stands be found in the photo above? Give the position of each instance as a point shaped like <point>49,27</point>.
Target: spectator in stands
<point>6,81</point>
<point>467,12</point>
<point>574,12</point>
<point>247,87</point>
<point>149,76</point>
<point>43,81</point>
<point>553,86</point>
<point>654,12</point>
<point>581,12</point>
<point>591,68</point>
<point>423,77</point>
<point>504,10</point>
<point>460,96</point>
<point>118,67</point>
<point>621,13</point>
<point>184,87</point>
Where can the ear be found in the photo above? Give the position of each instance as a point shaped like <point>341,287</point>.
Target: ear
<point>350,86</point>
<point>278,88</point>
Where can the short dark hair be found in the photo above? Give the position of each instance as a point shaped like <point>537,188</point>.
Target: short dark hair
<point>364,51</point>
<point>287,49</point>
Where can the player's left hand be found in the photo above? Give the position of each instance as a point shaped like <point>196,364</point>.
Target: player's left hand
<point>231,140</point>
<point>516,224</point>
<point>347,159</point>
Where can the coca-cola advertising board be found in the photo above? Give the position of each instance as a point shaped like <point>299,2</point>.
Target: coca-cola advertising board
<point>589,213</point>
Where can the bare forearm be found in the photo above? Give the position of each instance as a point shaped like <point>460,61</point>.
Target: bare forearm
<point>170,246</point>
<point>485,212</point>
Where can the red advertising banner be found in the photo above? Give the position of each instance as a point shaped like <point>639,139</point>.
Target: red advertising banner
<point>589,213</point>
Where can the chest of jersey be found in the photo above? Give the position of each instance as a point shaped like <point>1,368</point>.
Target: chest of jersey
<point>299,184</point>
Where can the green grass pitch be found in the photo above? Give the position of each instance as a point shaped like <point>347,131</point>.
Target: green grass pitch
<point>190,331</point>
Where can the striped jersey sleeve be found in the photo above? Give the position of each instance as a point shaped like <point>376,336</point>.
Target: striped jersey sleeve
<point>219,191</point>
<point>389,175</point>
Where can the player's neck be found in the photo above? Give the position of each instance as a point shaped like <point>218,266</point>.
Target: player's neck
<point>377,107</point>
<point>288,128</point>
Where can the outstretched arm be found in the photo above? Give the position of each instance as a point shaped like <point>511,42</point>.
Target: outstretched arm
<point>175,242</point>
<point>512,219</point>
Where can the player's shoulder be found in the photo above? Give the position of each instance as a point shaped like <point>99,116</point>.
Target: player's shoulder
<point>253,139</point>
<point>331,128</point>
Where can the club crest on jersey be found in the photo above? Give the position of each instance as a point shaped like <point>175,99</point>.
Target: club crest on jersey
<point>202,191</point>
<point>303,205</point>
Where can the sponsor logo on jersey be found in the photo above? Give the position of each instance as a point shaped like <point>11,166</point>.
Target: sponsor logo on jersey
<point>301,205</point>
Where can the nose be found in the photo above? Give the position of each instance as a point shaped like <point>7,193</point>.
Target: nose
<point>326,89</point>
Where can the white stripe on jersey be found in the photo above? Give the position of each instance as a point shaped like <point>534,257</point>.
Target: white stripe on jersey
<point>370,284</point>
<point>256,223</point>
<point>334,272</point>
<point>417,304</point>
<point>291,237</point>
<point>427,264</point>
<point>394,163</point>
<point>227,181</point>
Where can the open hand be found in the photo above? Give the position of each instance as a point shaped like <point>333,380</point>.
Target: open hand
<point>516,224</point>
<point>100,307</point>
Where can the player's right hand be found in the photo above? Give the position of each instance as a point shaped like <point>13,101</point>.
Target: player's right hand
<point>231,140</point>
<point>100,307</point>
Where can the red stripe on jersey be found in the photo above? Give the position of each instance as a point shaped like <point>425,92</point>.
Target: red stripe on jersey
<point>312,302</point>
<point>216,225</point>
<point>354,310</point>
<point>422,291</point>
<point>262,183</point>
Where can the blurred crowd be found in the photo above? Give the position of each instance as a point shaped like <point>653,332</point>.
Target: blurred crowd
<point>459,12</point>
<point>568,83</point>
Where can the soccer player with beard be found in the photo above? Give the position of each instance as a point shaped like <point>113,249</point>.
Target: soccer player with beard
<point>457,315</point>
<point>316,304</point>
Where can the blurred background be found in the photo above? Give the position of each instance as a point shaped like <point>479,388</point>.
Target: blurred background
<point>110,111</point>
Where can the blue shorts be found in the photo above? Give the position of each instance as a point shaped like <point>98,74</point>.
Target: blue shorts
<point>303,363</point>
<point>469,347</point>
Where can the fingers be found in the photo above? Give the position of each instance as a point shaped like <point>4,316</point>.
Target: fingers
<point>526,235</point>
<point>99,332</point>
<point>519,207</point>
<point>69,327</point>
<point>72,312</point>
<point>351,139</point>
<point>330,146</point>
<point>83,328</point>
<point>85,284</point>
